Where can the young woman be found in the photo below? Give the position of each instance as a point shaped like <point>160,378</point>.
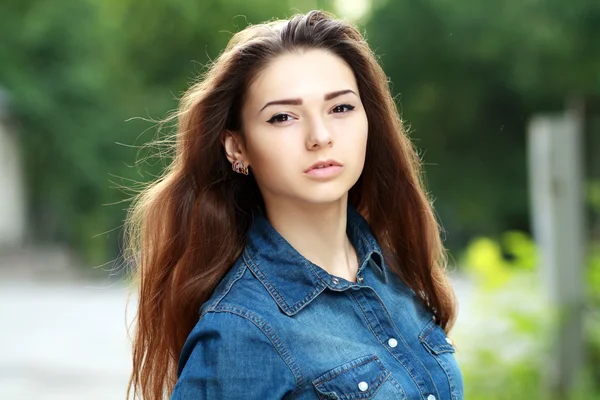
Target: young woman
<point>290,249</point>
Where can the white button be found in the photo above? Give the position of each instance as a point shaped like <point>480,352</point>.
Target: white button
<point>335,281</point>
<point>363,386</point>
<point>431,397</point>
<point>449,341</point>
<point>393,342</point>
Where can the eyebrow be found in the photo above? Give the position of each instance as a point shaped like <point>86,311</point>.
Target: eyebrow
<point>298,101</point>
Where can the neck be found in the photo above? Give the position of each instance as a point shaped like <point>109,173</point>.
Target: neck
<point>318,233</point>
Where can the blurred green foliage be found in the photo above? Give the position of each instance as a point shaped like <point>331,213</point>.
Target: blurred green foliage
<point>467,76</point>
<point>493,263</point>
<point>508,284</point>
<point>76,71</point>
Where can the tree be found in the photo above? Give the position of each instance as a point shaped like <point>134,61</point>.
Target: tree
<point>468,76</point>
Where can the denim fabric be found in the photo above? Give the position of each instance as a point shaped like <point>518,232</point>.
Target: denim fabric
<point>279,326</point>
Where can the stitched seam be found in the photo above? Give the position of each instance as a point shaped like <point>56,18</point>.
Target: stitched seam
<point>367,244</point>
<point>313,270</point>
<point>291,310</point>
<point>383,375</point>
<point>439,349</point>
<point>437,355</point>
<point>442,364</point>
<point>312,294</point>
<point>261,277</point>
<point>363,236</point>
<point>380,381</point>
<point>395,383</point>
<point>384,345</point>
<point>307,299</point>
<point>338,373</point>
<point>238,275</point>
<point>428,328</point>
<point>405,344</point>
<point>364,315</point>
<point>272,336</point>
<point>373,390</point>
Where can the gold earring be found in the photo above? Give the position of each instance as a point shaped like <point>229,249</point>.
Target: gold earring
<point>239,167</point>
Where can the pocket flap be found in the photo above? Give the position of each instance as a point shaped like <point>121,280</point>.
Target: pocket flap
<point>357,379</point>
<point>435,339</point>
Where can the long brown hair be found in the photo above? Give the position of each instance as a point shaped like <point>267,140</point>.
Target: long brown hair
<point>186,229</point>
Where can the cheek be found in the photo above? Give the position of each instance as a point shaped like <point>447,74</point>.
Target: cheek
<point>359,129</point>
<point>365,126</point>
<point>269,158</point>
<point>359,147</point>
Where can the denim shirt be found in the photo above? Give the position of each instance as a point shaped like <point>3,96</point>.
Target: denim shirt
<point>279,326</point>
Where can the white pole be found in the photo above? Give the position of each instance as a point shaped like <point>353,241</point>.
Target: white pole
<point>555,175</point>
<point>12,195</point>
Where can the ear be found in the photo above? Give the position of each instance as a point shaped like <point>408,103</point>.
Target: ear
<point>234,147</point>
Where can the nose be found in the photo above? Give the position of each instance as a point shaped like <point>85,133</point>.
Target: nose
<point>319,135</point>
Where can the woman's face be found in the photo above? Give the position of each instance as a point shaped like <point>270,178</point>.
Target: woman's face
<point>304,108</point>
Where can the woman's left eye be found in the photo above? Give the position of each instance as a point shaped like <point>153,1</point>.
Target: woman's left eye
<point>279,118</point>
<point>342,108</point>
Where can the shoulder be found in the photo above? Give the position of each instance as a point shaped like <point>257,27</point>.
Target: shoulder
<point>240,304</point>
<point>235,330</point>
<point>241,293</point>
<point>221,355</point>
<point>236,322</point>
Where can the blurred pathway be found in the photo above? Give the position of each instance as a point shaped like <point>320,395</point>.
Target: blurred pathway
<point>63,340</point>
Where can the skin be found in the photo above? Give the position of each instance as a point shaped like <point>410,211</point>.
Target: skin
<point>325,121</point>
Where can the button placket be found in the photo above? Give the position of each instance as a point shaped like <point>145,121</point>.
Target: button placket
<point>376,316</point>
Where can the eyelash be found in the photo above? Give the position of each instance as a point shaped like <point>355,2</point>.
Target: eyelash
<point>274,119</point>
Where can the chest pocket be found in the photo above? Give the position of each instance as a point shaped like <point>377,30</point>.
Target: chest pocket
<point>435,341</point>
<point>362,378</point>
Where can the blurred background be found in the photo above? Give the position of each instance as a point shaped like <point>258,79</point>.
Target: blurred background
<point>500,98</point>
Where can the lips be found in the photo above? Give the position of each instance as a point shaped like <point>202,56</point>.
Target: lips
<point>324,164</point>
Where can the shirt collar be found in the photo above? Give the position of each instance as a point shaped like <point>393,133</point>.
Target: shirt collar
<point>292,280</point>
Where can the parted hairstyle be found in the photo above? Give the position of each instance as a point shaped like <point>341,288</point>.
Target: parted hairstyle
<point>186,229</point>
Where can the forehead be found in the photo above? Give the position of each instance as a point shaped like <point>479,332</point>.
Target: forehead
<point>306,74</point>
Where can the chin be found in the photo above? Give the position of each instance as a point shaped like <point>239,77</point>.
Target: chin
<point>326,195</point>
<point>325,200</point>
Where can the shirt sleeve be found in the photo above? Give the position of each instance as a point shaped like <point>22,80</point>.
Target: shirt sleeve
<point>228,356</point>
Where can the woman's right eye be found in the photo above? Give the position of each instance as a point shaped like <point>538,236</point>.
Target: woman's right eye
<point>279,118</point>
